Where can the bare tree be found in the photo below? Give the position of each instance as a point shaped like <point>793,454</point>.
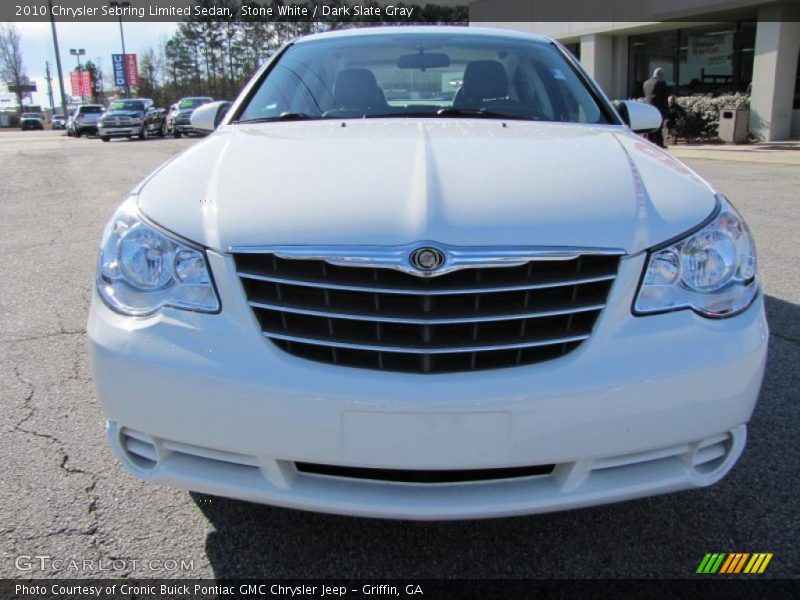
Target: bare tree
<point>11,69</point>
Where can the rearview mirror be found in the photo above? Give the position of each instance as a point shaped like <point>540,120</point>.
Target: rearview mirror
<point>640,117</point>
<point>207,117</point>
<point>423,61</point>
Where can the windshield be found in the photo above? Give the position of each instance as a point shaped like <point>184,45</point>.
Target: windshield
<point>91,109</point>
<point>423,75</point>
<point>193,102</point>
<point>132,105</point>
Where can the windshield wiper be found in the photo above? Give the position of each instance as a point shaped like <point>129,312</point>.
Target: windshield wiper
<point>480,113</point>
<point>287,116</point>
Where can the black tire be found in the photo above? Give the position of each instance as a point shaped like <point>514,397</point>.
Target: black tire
<point>162,131</point>
<point>143,133</point>
<point>78,133</point>
<point>106,139</point>
<point>177,134</point>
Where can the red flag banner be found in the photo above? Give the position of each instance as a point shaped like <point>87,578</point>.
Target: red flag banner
<point>132,68</point>
<point>80,83</point>
<point>75,83</point>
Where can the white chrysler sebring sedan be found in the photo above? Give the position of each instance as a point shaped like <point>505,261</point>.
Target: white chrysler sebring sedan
<point>427,273</point>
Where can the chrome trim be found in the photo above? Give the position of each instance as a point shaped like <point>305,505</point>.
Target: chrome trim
<point>418,350</point>
<point>439,292</point>
<point>418,321</point>
<point>398,257</point>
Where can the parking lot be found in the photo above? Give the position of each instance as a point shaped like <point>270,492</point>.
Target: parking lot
<point>63,494</point>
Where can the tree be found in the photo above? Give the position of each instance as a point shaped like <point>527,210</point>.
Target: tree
<point>11,69</point>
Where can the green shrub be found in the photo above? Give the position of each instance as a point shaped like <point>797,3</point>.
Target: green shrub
<point>709,108</point>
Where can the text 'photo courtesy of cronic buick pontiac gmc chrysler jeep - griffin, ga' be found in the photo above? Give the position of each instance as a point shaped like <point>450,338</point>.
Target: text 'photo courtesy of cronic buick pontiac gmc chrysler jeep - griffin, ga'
<point>427,273</point>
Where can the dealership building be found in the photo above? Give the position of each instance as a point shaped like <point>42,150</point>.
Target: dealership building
<point>706,47</point>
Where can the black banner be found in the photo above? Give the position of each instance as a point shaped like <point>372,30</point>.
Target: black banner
<point>197,589</point>
<point>402,11</point>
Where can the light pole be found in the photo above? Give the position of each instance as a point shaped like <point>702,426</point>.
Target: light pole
<point>120,5</point>
<point>58,59</point>
<point>77,53</point>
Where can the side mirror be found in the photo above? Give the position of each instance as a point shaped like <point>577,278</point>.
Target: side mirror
<point>640,117</point>
<point>206,118</point>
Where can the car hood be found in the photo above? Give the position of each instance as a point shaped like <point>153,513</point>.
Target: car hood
<point>459,182</point>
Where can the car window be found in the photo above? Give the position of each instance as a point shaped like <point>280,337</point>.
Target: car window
<point>91,109</point>
<point>436,75</point>
<point>128,105</point>
<point>31,116</point>
<point>193,102</point>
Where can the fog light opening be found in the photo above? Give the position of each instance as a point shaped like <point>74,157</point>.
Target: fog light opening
<point>711,456</point>
<point>140,449</point>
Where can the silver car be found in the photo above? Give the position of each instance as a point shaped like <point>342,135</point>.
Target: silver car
<point>85,119</point>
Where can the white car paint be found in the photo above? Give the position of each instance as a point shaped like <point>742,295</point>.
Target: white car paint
<point>468,182</point>
<point>636,410</point>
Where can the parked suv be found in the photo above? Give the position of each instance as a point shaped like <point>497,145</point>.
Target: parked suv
<point>59,122</point>
<point>135,117</point>
<point>84,119</point>
<point>31,121</point>
<point>485,296</point>
<point>179,119</point>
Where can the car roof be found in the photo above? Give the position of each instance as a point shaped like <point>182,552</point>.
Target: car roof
<point>477,32</point>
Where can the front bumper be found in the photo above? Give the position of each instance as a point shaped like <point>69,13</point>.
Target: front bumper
<point>119,131</point>
<point>647,405</point>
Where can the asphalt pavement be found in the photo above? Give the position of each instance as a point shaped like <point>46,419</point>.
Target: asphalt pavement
<point>63,494</point>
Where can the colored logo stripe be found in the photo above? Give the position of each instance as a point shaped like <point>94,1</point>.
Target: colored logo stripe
<point>722,563</point>
<point>735,562</point>
<point>758,563</point>
<point>711,562</point>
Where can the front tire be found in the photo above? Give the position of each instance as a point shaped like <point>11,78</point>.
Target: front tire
<point>162,132</point>
<point>105,138</point>
<point>78,133</point>
<point>177,134</point>
<point>143,133</point>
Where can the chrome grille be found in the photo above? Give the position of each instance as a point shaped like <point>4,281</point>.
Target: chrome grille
<point>465,320</point>
<point>117,122</point>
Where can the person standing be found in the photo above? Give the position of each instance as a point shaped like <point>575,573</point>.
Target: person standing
<point>656,93</point>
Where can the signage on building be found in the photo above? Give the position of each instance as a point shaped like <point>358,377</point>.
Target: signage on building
<point>710,50</point>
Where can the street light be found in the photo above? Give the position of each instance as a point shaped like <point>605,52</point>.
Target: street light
<point>120,5</point>
<point>77,53</point>
<point>58,59</point>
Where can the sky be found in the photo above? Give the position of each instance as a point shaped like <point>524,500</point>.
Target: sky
<point>100,40</point>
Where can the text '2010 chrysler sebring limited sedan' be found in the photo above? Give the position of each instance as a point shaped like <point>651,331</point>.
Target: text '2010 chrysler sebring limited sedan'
<point>427,273</point>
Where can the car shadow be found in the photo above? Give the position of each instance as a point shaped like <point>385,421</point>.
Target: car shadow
<point>752,509</point>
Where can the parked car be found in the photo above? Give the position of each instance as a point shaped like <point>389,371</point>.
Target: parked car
<point>135,117</point>
<point>85,119</point>
<point>494,302</point>
<point>31,121</point>
<point>59,122</point>
<point>179,119</point>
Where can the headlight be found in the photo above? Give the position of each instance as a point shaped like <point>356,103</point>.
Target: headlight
<point>141,270</point>
<point>712,271</point>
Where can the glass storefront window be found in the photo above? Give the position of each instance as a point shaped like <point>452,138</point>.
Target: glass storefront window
<point>711,59</point>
